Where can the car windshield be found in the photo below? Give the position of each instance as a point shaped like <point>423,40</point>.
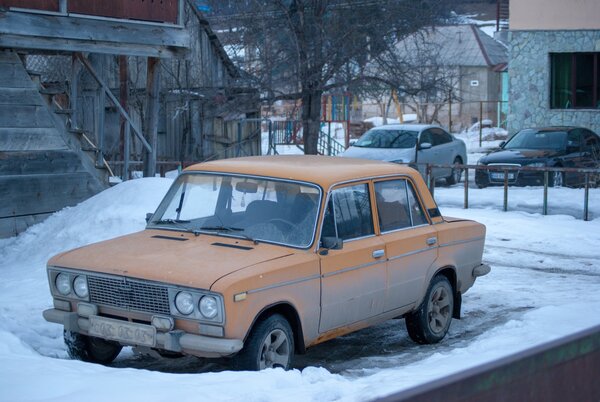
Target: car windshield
<point>257,209</point>
<point>388,139</point>
<point>534,139</point>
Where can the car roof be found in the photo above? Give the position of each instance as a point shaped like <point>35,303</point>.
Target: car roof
<point>409,127</point>
<point>553,128</point>
<point>322,170</point>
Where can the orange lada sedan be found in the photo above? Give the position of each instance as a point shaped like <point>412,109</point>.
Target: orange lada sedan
<point>260,258</point>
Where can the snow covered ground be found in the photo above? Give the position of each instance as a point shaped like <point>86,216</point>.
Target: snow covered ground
<point>543,285</point>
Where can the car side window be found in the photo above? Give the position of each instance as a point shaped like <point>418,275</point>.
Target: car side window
<point>392,205</point>
<point>416,212</point>
<point>397,205</point>
<point>440,136</point>
<point>351,208</point>
<point>573,141</point>
<point>426,137</point>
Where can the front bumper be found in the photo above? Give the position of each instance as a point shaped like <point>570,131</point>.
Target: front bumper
<point>174,341</point>
<point>483,178</point>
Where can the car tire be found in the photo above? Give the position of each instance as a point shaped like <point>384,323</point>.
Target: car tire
<point>91,349</point>
<point>456,174</point>
<point>270,345</point>
<point>430,322</point>
<point>556,179</point>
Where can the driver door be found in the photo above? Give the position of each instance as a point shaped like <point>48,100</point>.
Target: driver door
<point>353,279</point>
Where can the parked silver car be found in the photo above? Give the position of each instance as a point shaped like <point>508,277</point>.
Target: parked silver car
<point>415,145</point>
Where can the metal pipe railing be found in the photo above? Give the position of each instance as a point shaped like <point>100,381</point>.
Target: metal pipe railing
<point>430,180</point>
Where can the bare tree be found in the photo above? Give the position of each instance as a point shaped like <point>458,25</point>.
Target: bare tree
<point>299,49</point>
<point>411,68</point>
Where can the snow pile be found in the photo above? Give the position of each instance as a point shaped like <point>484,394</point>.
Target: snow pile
<point>119,210</point>
<point>543,285</point>
<point>377,121</point>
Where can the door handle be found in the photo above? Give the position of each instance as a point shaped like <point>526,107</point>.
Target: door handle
<point>378,253</point>
<point>431,241</point>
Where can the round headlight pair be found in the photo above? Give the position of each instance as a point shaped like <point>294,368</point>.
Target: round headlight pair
<point>64,286</point>
<point>184,302</point>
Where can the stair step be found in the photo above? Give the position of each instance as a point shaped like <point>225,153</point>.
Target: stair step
<point>52,91</point>
<point>63,111</point>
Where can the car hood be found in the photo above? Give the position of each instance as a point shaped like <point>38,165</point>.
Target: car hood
<point>382,154</point>
<point>172,257</point>
<point>518,155</point>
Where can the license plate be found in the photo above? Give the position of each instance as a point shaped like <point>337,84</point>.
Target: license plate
<point>127,332</point>
<point>500,176</point>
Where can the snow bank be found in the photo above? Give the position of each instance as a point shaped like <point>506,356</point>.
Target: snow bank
<point>543,285</point>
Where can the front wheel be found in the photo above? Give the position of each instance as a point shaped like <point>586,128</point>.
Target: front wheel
<point>270,345</point>
<point>91,349</point>
<point>430,322</point>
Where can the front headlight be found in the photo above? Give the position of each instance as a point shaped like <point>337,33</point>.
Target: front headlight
<point>209,307</point>
<point>184,302</point>
<point>80,286</point>
<point>63,284</point>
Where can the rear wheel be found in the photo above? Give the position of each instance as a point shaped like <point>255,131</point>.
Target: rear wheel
<point>456,173</point>
<point>91,349</point>
<point>270,345</point>
<point>430,322</point>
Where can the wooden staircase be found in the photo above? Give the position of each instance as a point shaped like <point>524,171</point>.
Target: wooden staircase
<point>43,167</point>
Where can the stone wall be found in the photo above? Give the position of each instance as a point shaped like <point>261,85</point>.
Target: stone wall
<point>529,78</point>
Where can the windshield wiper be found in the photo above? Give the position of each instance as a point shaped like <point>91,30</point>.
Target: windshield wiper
<point>229,229</point>
<point>178,223</point>
<point>163,221</point>
<point>222,228</point>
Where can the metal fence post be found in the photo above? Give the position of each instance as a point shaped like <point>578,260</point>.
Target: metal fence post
<point>505,190</point>
<point>430,179</point>
<point>587,197</point>
<point>545,207</point>
<point>466,203</point>
<point>480,122</point>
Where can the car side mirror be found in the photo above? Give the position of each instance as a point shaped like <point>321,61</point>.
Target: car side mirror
<point>148,216</point>
<point>332,243</point>
<point>425,145</point>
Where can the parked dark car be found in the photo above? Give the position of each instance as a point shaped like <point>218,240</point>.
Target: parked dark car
<point>572,147</point>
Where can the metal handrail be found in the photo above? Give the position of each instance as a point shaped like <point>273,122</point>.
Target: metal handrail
<point>430,180</point>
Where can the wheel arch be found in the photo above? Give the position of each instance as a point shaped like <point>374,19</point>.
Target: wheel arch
<point>450,273</point>
<point>289,312</point>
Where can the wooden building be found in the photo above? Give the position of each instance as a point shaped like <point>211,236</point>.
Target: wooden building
<point>85,82</point>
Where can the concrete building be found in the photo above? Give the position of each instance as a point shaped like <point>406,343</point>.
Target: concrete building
<point>554,63</point>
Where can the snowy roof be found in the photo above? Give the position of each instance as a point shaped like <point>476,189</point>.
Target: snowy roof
<point>458,45</point>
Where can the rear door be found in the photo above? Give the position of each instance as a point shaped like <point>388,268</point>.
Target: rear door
<point>410,241</point>
<point>353,279</point>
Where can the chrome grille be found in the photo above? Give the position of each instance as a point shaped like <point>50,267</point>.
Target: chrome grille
<point>128,294</point>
